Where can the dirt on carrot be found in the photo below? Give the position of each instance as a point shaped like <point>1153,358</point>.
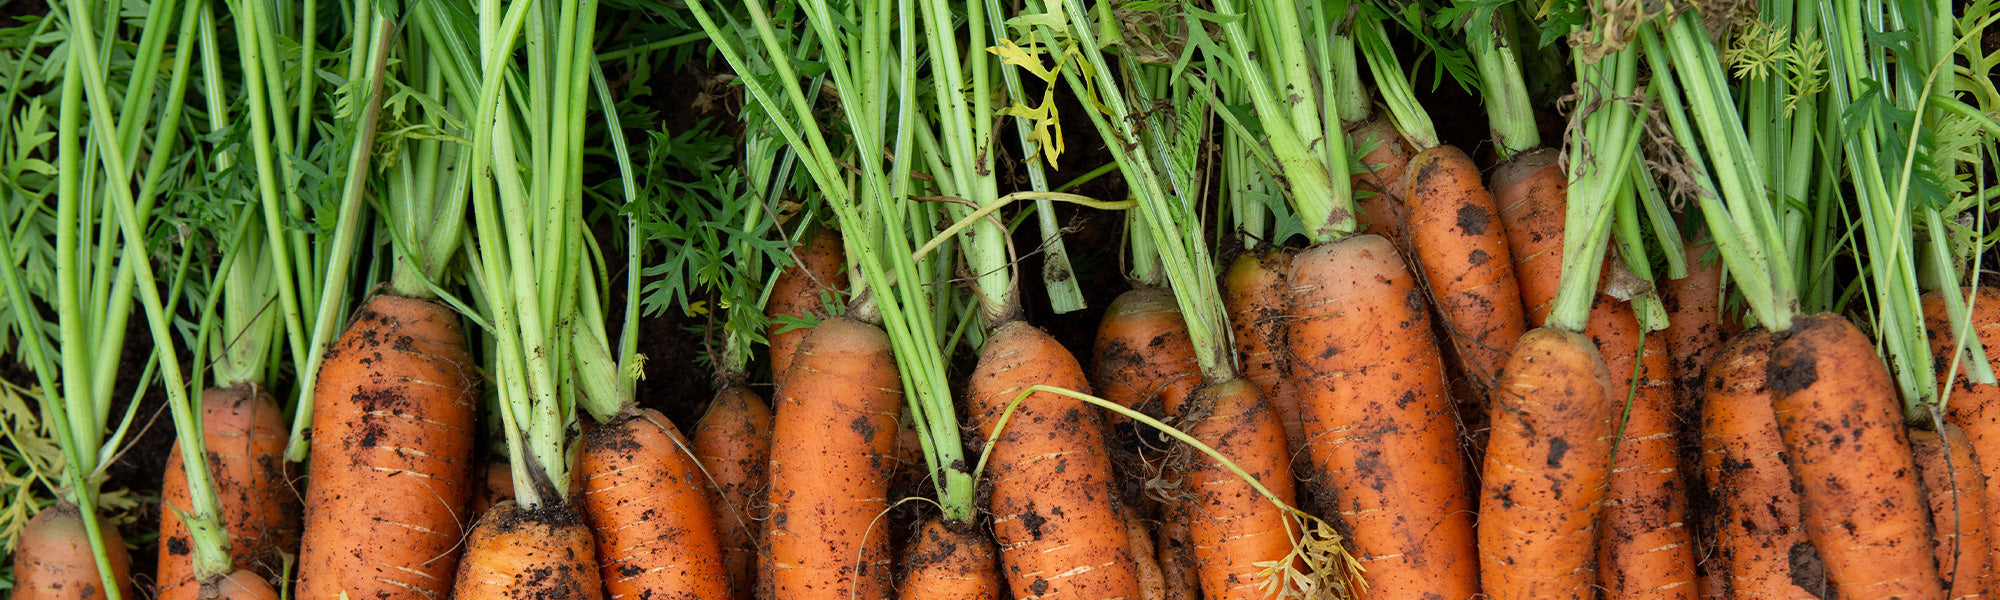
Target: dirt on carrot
<point>946,564</point>
<point>651,508</point>
<point>1957,497</point>
<point>539,554</point>
<point>53,560</point>
<point>733,441</point>
<point>244,433</point>
<point>1760,543</point>
<point>797,294</point>
<point>1237,532</point>
<point>1457,239</point>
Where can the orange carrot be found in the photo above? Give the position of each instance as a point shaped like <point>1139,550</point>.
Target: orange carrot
<point>498,484</point>
<point>1694,323</point>
<point>1548,464</point>
<point>244,433</point>
<point>944,564</point>
<point>1179,571</point>
<point>1647,550</point>
<point>830,447</point>
<point>1456,237</point>
<point>1146,558</point>
<point>521,554</point>
<point>1957,494</point>
<point>650,504</point>
<point>1378,418</point>
<point>391,462</point>
<point>1144,359</point>
<point>53,560</point>
<point>1974,408</point>
<point>244,585</point>
<point>822,262</point>
<point>1850,458</point>
<point>1760,544</point>
<point>1054,502</point>
<point>1254,291</point>
<point>733,441</point>
<point>1237,531</point>
<point>1387,157</point>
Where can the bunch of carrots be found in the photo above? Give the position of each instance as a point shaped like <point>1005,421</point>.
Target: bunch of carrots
<point>1703,312</point>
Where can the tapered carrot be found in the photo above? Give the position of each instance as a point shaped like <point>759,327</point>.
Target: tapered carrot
<point>650,504</point>
<point>1180,573</point>
<point>245,437</point>
<point>1647,549</point>
<point>53,561</point>
<point>733,441</point>
<point>1143,358</point>
<point>943,564</point>
<point>1760,544</point>
<point>1530,189</point>
<point>392,445</point>
<point>515,554</point>
<point>1957,496</point>
<point>1379,420</point>
<point>1457,238</point>
<point>820,268</point>
<point>1694,323</point>
<point>1237,532</point>
<point>830,447</point>
<point>1974,408</point>
<point>1548,465</point>
<point>1850,458</point>
<point>1254,291</point>
<point>1054,501</point>
<point>1380,187</point>
<point>1145,558</point>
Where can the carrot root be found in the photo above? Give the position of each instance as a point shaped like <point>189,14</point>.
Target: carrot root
<point>514,553</point>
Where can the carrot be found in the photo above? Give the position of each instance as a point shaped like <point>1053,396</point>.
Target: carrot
<point>831,442</point>
<point>647,499</point>
<point>1957,494</point>
<point>391,466</point>
<point>245,437</point>
<point>1054,502</point>
<point>1387,157</point>
<point>1647,550</point>
<point>1179,570</point>
<point>525,554</point>
<point>1146,557</point>
<point>945,564</point>
<point>733,441</point>
<point>1237,532</point>
<point>1850,458</point>
<point>1457,239</point>
<point>1144,359</point>
<point>1378,418</point>
<point>1548,465</point>
<point>1254,291</point>
<point>796,294</point>
<point>1760,543</point>
<point>52,560</point>
<point>1974,408</point>
<point>1694,323</point>
<point>244,585</point>
<point>1530,190</point>
<point>498,485</point>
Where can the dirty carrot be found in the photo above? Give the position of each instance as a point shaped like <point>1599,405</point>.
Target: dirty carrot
<point>820,266</point>
<point>1238,532</point>
<point>1973,407</point>
<point>1254,291</point>
<point>393,439</point>
<point>1530,190</point>
<point>650,504</point>
<point>1143,358</point>
<point>1057,521</point>
<point>245,440</point>
<point>1173,546</point>
<point>1759,542</point>
<point>1548,465</point>
<point>519,553</point>
<point>733,441</point>
<point>1647,549</point>
<point>1458,241</point>
<point>1694,322</point>
<point>1380,191</point>
<point>1378,418</point>
<point>830,444</point>
<point>1957,496</point>
<point>53,560</point>
<point>1863,507</point>
<point>942,564</point>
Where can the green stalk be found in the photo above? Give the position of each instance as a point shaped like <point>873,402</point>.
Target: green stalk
<point>1058,277</point>
<point>1409,116</point>
<point>1325,202</point>
<point>967,135</point>
<point>1600,159</point>
<point>1505,91</point>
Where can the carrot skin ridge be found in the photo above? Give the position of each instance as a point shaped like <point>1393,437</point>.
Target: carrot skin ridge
<point>53,561</point>
<point>1232,525</point>
<point>245,434</point>
<point>733,442</point>
<point>1548,469</point>
<point>1143,358</point>
<point>650,505</point>
<point>1863,507</point>
<point>1456,238</point>
<point>1379,421</point>
<point>544,553</point>
<point>1759,540</point>
<point>1646,549</point>
<point>1052,512</point>
<point>832,445</point>
<point>1254,292</point>
<point>943,564</point>
<point>1956,492</point>
<point>399,378</point>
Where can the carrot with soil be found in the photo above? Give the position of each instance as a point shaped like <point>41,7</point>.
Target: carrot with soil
<point>817,272</point>
<point>1956,493</point>
<point>1760,542</point>
<point>1973,407</point>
